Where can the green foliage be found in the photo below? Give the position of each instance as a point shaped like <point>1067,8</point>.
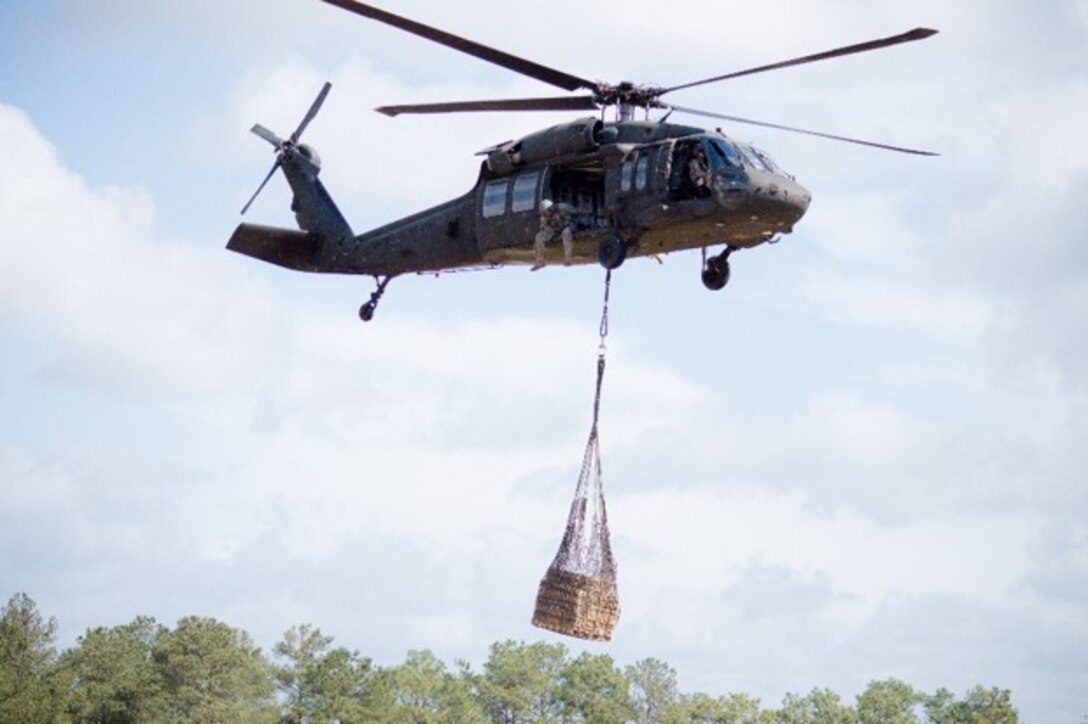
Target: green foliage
<point>654,694</point>
<point>819,706</point>
<point>321,683</point>
<point>743,709</point>
<point>113,677</point>
<point>213,673</point>
<point>981,706</point>
<point>991,706</point>
<point>424,692</point>
<point>887,702</point>
<point>699,708</point>
<point>592,689</point>
<point>206,672</point>
<point>519,681</point>
<point>731,709</point>
<point>31,686</point>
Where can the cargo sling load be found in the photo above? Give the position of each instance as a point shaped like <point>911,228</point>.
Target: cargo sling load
<point>578,596</point>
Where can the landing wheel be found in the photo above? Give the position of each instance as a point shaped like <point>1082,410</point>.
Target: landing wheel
<point>366,312</point>
<point>716,276</point>
<point>612,251</point>
<point>716,270</point>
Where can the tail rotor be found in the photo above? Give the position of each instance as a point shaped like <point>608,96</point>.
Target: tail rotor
<point>288,147</point>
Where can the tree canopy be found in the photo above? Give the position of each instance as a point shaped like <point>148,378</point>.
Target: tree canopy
<point>204,671</point>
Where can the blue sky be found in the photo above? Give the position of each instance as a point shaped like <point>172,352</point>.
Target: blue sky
<point>862,459</point>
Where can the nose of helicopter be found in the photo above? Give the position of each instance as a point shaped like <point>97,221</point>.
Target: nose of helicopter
<point>796,199</point>
<point>776,203</point>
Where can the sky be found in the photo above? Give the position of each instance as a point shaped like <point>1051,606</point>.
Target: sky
<point>862,459</point>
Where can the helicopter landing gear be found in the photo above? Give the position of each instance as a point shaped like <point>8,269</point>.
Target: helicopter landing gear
<point>366,312</point>
<point>612,251</point>
<point>716,269</point>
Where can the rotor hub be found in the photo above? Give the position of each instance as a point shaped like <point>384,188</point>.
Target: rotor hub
<point>628,94</point>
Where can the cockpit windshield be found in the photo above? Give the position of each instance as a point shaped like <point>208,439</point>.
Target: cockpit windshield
<point>752,157</point>
<point>722,151</point>
<point>759,159</point>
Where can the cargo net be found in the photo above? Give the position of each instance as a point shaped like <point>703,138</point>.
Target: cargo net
<point>577,596</point>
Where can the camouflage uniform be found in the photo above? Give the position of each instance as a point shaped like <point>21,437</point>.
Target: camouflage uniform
<point>553,222</point>
<point>698,172</point>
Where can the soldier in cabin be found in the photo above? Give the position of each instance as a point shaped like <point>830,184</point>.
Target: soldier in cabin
<point>699,172</point>
<point>554,221</point>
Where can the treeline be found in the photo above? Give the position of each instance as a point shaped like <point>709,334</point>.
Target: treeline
<point>203,670</point>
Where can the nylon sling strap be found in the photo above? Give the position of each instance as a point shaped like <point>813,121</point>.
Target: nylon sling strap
<point>601,352</point>
<point>577,596</point>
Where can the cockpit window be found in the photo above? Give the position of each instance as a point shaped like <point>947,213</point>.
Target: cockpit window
<point>768,161</point>
<point>726,151</point>
<point>753,158</point>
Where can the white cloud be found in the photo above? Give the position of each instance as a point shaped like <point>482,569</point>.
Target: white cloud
<point>86,264</point>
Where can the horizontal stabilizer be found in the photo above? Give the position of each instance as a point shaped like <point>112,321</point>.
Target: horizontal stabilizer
<point>298,250</point>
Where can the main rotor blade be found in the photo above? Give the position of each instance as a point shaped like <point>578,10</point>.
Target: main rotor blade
<point>260,188</point>
<point>801,130</point>
<point>572,103</point>
<point>310,114</point>
<point>491,55</point>
<point>911,35</point>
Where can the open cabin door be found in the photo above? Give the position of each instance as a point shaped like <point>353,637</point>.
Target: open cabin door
<point>580,193</point>
<point>508,208</point>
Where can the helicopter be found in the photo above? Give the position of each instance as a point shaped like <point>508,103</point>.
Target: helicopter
<point>622,187</point>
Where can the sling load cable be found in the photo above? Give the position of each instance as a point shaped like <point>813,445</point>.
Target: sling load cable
<point>578,596</point>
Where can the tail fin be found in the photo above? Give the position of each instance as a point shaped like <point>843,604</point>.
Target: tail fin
<point>298,250</point>
<point>323,226</point>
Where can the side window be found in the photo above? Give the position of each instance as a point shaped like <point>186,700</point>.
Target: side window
<point>495,198</point>
<point>626,172</point>
<point>524,192</point>
<point>642,169</point>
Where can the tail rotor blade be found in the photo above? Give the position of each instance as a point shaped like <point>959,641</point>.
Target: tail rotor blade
<point>312,112</point>
<point>260,188</point>
<point>287,146</point>
<point>266,134</point>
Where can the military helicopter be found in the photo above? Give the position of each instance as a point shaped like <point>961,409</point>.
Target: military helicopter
<point>624,186</point>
